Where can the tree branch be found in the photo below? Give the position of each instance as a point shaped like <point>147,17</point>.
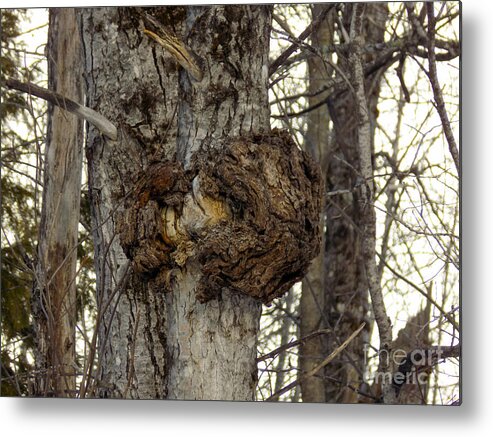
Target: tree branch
<point>368,240</point>
<point>102,123</point>
<point>303,35</point>
<point>437,91</point>
<point>320,366</point>
<point>291,344</point>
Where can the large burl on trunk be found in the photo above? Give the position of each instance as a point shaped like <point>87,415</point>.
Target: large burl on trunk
<point>247,212</point>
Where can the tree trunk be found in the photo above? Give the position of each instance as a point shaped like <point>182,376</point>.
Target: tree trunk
<point>228,221</point>
<point>133,82</point>
<point>213,345</point>
<point>55,291</point>
<point>210,347</point>
<point>312,303</point>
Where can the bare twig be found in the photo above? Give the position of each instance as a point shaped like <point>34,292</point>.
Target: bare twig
<point>320,366</point>
<point>400,74</point>
<point>415,23</point>
<point>291,344</point>
<point>303,35</point>
<point>426,295</point>
<point>88,368</point>
<point>437,91</point>
<point>132,356</point>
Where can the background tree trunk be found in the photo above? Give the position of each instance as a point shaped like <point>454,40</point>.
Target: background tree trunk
<point>312,303</point>
<point>55,289</point>
<point>335,290</point>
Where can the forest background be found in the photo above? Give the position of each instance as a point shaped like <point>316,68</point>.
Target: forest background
<point>476,118</point>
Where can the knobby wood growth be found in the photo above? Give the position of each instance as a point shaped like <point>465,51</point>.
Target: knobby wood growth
<point>247,211</point>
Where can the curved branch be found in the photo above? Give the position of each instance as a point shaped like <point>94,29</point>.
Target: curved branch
<point>102,123</point>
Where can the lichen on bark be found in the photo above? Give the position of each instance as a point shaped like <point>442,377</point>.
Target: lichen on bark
<point>246,211</point>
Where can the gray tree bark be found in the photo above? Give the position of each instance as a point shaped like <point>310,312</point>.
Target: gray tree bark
<point>213,345</point>
<point>54,297</point>
<point>153,344</point>
<point>134,83</point>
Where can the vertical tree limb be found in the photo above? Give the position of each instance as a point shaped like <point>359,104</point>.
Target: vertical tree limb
<point>368,240</point>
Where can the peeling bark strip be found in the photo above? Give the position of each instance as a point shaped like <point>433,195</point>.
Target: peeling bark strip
<point>249,217</point>
<point>182,54</point>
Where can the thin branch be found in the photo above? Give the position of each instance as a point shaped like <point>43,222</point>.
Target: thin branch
<point>292,344</point>
<point>320,366</point>
<point>415,23</point>
<point>279,20</point>
<point>339,84</point>
<point>357,21</point>
<point>400,74</point>
<point>132,356</point>
<point>426,295</point>
<point>88,114</point>
<point>437,91</point>
<point>303,35</point>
